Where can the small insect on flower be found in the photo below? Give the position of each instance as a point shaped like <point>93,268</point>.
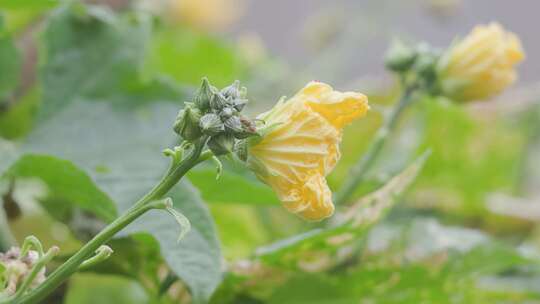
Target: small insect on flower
<point>481,65</point>
<point>299,146</point>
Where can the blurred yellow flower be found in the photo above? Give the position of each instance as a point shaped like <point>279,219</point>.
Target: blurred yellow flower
<point>207,15</point>
<point>481,65</point>
<point>301,146</point>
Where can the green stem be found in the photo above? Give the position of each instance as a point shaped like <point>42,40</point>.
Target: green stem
<point>55,279</point>
<point>358,171</point>
<point>166,284</point>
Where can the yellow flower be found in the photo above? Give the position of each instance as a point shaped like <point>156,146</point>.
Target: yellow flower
<point>481,65</point>
<point>301,146</point>
<point>207,15</point>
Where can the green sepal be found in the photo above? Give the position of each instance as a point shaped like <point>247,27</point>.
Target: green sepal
<point>187,123</point>
<point>204,95</point>
<point>221,144</point>
<point>211,124</point>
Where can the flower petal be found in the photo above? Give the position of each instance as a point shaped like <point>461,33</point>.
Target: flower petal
<point>302,147</point>
<point>337,107</point>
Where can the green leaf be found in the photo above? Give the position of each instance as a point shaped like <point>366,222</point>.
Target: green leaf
<point>90,52</point>
<point>318,249</point>
<point>128,166</point>
<point>196,259</point>
<point>66,183</point>
<point>9,64</point>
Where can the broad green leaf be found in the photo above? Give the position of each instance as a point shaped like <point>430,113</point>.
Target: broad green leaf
<point>9,64</point>
<point>67,185</point>
<point>319,249</point>
<point>124,158</point>
<point>90,52</point>
<point>197,257</point>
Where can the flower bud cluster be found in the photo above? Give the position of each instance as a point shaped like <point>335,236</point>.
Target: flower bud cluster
<point>14,268</point>
<point>418,62</point>
<point>216,114</point>
<point>477,67</point>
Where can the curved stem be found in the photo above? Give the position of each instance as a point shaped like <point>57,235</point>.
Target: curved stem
<point>358,171</point>
<point>166,284</point>
<point>141,207</point>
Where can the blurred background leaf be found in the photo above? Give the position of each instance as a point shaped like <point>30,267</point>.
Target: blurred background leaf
<point>66,184</point>
<point>9,63</point>
<point>28,4</point>
<point>188,56</point>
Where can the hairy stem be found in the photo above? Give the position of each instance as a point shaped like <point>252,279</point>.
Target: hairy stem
<point>141,207</point>
<point>358,171</point>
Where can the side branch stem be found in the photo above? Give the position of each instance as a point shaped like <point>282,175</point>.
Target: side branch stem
<point>358,171</point>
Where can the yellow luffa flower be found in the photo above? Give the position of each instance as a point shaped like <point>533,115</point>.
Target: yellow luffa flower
<point>207,15</point>
<point>302,146</point>
<point>481,65</point>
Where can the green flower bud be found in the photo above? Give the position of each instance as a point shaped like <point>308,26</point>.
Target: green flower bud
<point>232,91</point>
<point>211,124</point>
<point>241,150</point>
<point>187,123</point>
<point>400,57</point>
<point>239,104</point>
<point>227,113</point>
<point>204,95</point>
<point>233,124</point>
<point>426,64</point>
<point>218,102</point>
<point>221,144</point>
<point>241,127</point>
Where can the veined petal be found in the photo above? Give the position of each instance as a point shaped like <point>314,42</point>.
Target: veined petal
<point>295,156</point>
<point>337,107</point>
